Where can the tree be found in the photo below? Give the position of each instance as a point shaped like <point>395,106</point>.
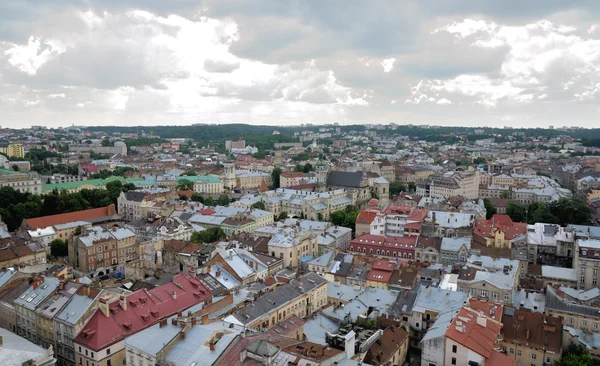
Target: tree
<point>412,187</point>
<point>209,235</point>
<point>298,168</point>
<point>490,210</point>
<point>209,201</point>
<point>197,198</point>
<point>338,218</point>
<point>505,194</point>
<point>223,200</point>
<point>106,142</point>
<point>374,195</point>
<point>183,197</point>
<point>282,216</point>
<point>275,177</point>
<point>184,185</point>
<point>576,355</point>
<point>259,205</point>
<point>189,173</point>
<point>571,211</point>
<point>479,160</point>
<point>15,167</point>
<point>540,212</point>
<point>319,216</point>
<point>307,168</point>
<point>396,188</point>
<point>59,248</point>
<point>517,212</point>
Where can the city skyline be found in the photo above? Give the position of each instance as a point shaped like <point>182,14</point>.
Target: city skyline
<point>515,64</point>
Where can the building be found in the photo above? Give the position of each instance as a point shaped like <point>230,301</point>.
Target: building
<point>292,179</point>
<point>22,182</point>
<point>577,308</point>
<point>292,245</point>
<point>300,297</point>
<point>246,180</point>
<point>316,206</point>
<point>499,232</point>
<point>550,244</point>
<point>26,305</point>
<point>12,150</point>
<point>455,250</point>
<point>472,339</point>
<point>385,246</point>
<point>390,349</point>
<point>230,145</point>
<point>380,273</point>
<point>69,321</point>
<point>489,279</point>
<point>102,339</point>
<point>101,251</point>
<point>586,261</point>
<point>531,338</point>
<point>16,350</point>
<point>428,249</point>
<point>207,185</point>
<point>450,184</point>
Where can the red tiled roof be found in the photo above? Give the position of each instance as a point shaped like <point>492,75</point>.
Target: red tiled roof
<point>89,168</point>
<point>207,211</point>
<point>500,359</point>
<point>384,265</point>
<point>366,217</point>
<point>144,309</point>
<point>378,275</point>
<point>487,228</point>
<point>406,242</point>
<point>472,335</point>
<point>45,221</point>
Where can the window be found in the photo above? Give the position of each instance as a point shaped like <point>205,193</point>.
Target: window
<point>108,351</point>
<point>595,272</point>
<point>583,323</point>
<point>582,280</point>
<point>518,352</point>
<point>512,351</point>
<point>570,320</point>
<point>454,360</point>
<point>505,297</point>
<point>454,348</point>
<point>594,281</point>
<point>533,356</point>
<point>595,325</point>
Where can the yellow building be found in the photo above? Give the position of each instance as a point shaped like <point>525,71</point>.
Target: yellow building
<point>12,150</point>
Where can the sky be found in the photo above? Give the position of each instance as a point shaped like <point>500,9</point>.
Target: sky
<point>525,63</point>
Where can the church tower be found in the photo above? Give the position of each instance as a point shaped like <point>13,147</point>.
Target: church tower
<point>321,173</point>
<point>382,189</point>
<point>229,175</point>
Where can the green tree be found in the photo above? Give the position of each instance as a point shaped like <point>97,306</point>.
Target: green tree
<point>517,212</point>
<point>15,167</point>
<point>396,188</point>
<point>209,201</point>
<point>307,168</point>
<point>114,189</point>
<point>576,355</point>
<point>59,248</point>
<point>184,185</point>
<point>209,235</point>
<point>106,142</point>
<point>540,212</point>
<point>490,210</point>
<point>282,216</point>
<point>505,194</point>
<point>259,205</point>
<point>319,216</point>
<point>479,160</point>
<point>298,168</point>
<point>189,173</point>
<point>338,218</point>
<point>223,200</point>
<point>571,211</point>
<point>275,177</point>
<point>412,187</point>
<point>197,198</point>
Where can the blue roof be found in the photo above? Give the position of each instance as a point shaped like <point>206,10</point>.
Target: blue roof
<point>307,258</point>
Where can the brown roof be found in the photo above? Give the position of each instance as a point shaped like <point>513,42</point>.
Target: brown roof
<point>292,174</point>
<point>45,221</point>
<point>386,346</point>
<point>434,242</point>
<point>487,228</point>
<point>7,255</point>
<point>532,329</point>
<point>182,246</point>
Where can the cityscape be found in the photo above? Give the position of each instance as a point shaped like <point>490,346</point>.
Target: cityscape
<point>306,183</point>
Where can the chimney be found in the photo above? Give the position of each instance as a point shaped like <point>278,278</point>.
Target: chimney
<point>174,321</point>
<point>447,296</point>
<point>194,321</point>
<point>205,319</point>
<point>1,341</point>
<point>163,323</point>
<point>174,296</point>
<point>180,314</point>
<point>218,273</point>
<point>87,290</point>
<point>212,346</point>
<point>527,336</point>
<point>123,302</point>
<point>103,306</point>
<point>482,320</point>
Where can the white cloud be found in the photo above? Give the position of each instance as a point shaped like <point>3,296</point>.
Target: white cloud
<point>444,101</point>
<point>30,57</point>
<point>388,64</point>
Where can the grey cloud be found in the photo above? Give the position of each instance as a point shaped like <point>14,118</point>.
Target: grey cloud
<point>220,66</point>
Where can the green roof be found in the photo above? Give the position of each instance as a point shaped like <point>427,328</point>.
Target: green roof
<point>205,178</point>
<point>74,185</point>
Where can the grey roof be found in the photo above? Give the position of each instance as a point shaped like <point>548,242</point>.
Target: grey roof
<point>153,339</point>
<point>278,297</point>
<point>404,303</point>
<point>262,348</point>
<point>6,275</point>
<point>195,349</point>
<point>315,329</point>
<point>135,196</point>
<point>343,292</point>
<point>571,305</point>
<point>438,300</point>
<point>17,350</point>
<point>344,179</point>
<point>75,309</point>
<point>440,326</point>
<point>31,298</point>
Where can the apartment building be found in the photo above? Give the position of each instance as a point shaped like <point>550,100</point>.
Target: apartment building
<point>12,150</point>
<point>101,251</point>
<point>531,338</point>
<point>292,245</point>
<point>311,205</point>
<point>26,305</point>
<point>102,339</point>
<point>499,232</point>
<point>490,279</point>
<point>578,309</point>
<point>23,182</point>
<point>300,297</point>
<point>586,262</point>
<point>450,184</point>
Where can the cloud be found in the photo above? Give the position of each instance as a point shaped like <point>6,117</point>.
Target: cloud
<point>388,64</point>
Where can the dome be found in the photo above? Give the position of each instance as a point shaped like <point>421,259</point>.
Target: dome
<point>373,202</point>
